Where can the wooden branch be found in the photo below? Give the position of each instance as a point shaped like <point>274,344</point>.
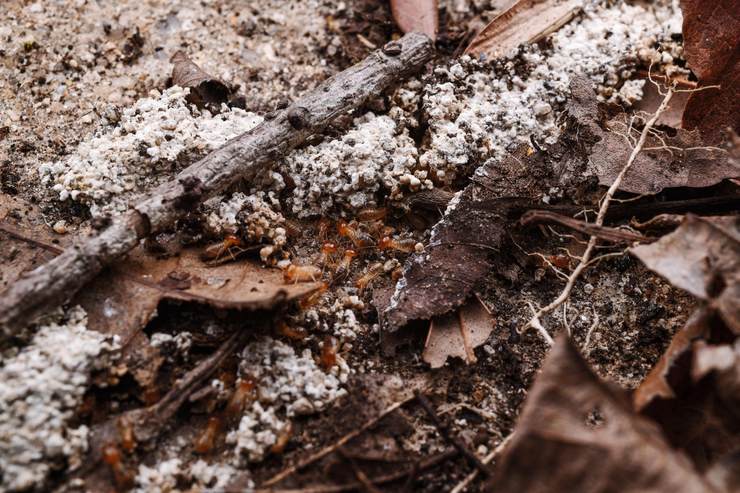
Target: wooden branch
<point>242,158</point>
<point>613,235</point>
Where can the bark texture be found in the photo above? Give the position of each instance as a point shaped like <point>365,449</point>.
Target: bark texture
<point>239,159</point>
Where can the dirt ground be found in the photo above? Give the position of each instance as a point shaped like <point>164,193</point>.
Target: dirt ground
<point>67,67</point>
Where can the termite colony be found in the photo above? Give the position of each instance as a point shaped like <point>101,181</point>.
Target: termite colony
<point>364,236</point>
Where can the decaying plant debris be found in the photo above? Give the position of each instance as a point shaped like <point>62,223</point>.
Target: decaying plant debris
<point>392,245</point>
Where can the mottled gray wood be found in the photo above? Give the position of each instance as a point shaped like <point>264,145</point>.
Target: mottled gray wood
<point>239,159</point>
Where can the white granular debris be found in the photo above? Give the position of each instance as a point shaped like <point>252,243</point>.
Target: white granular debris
<point>288,385</point>
<point>178,344</point>
<point>164,476</point>
<point>476,112</point>
<point>212,477</point>
<point>258,430</point>
<point>40,388</point>
<point>255,217</point>
<point>109,169</point>
<point>347,172</point>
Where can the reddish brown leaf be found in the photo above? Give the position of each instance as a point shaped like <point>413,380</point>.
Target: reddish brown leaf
<point>711,31</point>
<point>416,16</point>
<point>457,334</point>
<point>711,35</point>
<point>525,22</point>
<point>576,433</point>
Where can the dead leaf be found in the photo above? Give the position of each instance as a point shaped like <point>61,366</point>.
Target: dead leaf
<point>204,88</point>
<point>651,99</point>
<point>525,22</point>
<point>685,162</point>
<point>577,433</point>
<point>457,334</point>
<point>419,16</point>
<point>26,241</point>
<point>702,257</point>
<point>711,32</point>
<point>711,35</point>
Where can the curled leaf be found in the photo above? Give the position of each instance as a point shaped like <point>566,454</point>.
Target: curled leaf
<point>204,88</point>
<point>525,22</point>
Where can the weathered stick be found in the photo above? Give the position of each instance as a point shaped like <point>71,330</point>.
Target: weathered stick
<point>241,158</point>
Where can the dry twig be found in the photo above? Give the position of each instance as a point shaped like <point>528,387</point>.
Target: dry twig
<point>460,487</point>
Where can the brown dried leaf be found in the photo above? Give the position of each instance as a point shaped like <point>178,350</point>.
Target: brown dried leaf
<point>715,111</point>
<point>711,35</point>
<point>693,391</point>
<point>457,334</point>
<point>702,257</point>
<point>25,240</point>
<point>525,22</point>
<point>416,16</point>
<point>204,88</point>
<point>711,32</point>
<point>686,164</point>
<point>576,433</point>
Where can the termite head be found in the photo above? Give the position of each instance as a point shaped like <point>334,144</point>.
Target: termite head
<point>385,243</point>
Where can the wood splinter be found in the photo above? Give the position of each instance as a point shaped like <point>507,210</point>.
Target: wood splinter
<point>242,158</point>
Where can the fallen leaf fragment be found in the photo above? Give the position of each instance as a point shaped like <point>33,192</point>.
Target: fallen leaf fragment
<point>525,22</point>
<point>419,16</point>
<point>711,32</point>
<point>577,433</point>
<point>702,257</point>
<point>682,160</point>
<point>457,334</point>
<point>204,88</point>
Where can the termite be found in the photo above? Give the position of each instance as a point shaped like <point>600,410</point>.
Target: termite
<point>301,273</point>
<point>372,272</point>
<point>324,228</point>
<point>286,330</point>
<point>126,433</point>
<point>328,357</point>
<point>327,253</point>
<point>112,457</point>
<point>206,441</point>
<point>371,214</point>
<point>344,264</point>
<point>388,243</point>
<point>314,297</point>
<point>231,245</point>
<point>282,440</point>
<point>358,238</point>
<point>244,392</point>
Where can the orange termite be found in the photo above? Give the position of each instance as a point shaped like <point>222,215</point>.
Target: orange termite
<point>357,237</point>
<point>324,228</point>
<point>328,354</point>
<point>372,272</point>
<point>206,441</point>
<point>301,273</point>
<point>314,297</point>
<point>226,247</point>
<point>244,392</point>
<point>283,438</point>
<point>126,433</point>
<point>112,457</point>
<point>372,214</point>
<point>387,243</point>
<point>286,330</point>
<point>327,252</point>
